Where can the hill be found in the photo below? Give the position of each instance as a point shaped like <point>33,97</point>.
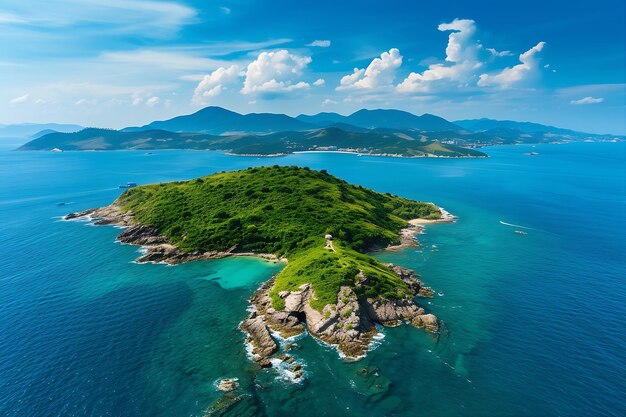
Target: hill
<point>288,212</point>
<point>216,120</point>
<point>382,142</point>
<point>29,129</point>
<point>525,127</point>
<point>383,118</point>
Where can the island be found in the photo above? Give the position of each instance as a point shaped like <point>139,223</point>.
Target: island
<point>331,139</point>
<point>320,226</point>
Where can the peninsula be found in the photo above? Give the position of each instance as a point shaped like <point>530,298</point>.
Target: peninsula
<point>319,225</point>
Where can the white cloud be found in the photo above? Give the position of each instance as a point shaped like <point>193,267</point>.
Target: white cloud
<point>510,76</point>
<point>379,73</point>
<point>213,84</point>
<point>152,101</point>
<point>499,53</point>
<point>85,101</point>
<point>146,18</point>
<point>328,102</point>
<point>275,72</point>
<point>167,59</point>
<point>319,82</point>
<point>11,18</point>
<point>225,9</point>
<point>320,43</point>
<point>461,52</point>
<point>587,100</point>
<point>20,99</point>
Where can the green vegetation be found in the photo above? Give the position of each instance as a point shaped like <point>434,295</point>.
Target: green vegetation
<point>285,211</point>
<point>404,143</point>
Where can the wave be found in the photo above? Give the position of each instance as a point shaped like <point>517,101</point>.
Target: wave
<point>515,225</point>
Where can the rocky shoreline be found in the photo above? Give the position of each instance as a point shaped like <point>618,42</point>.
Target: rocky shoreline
<point>349,324</point>
<point>416,226</point>
<point>157,248</point>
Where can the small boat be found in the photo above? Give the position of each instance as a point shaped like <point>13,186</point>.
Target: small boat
<point>61,203</point>
<point>440,294</point>
<point>128,185</point>
<point>521,232</point>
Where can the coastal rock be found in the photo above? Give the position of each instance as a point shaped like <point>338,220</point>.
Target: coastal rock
<point>426,321</point>
<point>228,384</point>
<point>263,345</point>
<point>392,312</point>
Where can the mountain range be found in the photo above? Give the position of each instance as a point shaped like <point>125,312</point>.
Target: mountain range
<point>382,131</point>
<point>219,121</point>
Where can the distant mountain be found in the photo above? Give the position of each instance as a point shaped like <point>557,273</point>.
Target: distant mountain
<point>216,120</point>
<point>395,119</point>
<point>25,130</point>
<point>219,121</point>
<point>324,118</point>
<point>526,127</point>
<point>393,143</point>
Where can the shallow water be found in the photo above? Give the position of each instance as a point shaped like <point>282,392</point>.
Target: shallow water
<point>534,323</point>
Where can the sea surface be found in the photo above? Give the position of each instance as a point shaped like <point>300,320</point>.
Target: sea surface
<point>535,324</point>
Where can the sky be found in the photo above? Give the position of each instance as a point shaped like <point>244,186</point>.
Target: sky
<point>117,63</point>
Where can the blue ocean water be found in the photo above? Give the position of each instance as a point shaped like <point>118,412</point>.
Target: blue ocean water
<point>534,323</point>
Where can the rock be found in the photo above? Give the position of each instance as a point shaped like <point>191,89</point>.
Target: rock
<point>299,374</point>
<point>426,321</point>
<point>228,384</point>
<point>391,312</point>
<point>260,337</point>
<point>296,368</point>
<point>265,363</point>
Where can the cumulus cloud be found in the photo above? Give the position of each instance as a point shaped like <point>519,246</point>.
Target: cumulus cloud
<point>379,73</point>
<point>587,100</point>
<point>529,64</point>
<point>213,84</point>
<point>320,43</point>
<point>319,82</point>
<point>20,99</point>
<point>462,59</point>
<point>328,102</point>
<point>152,101</point>
<point>275,72</point>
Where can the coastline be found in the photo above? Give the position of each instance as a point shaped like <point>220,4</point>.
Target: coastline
<point>349,325</point>
<point>155,248</point>
<point>416,227</point>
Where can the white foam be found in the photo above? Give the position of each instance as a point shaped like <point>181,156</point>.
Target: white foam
<point>515,225</point>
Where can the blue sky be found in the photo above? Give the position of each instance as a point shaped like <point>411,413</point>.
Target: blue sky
<point>115,63</point>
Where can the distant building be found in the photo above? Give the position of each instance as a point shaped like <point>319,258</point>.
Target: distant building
<point>329,237</point>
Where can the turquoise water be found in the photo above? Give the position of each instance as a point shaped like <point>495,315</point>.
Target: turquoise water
<point>534,323</point>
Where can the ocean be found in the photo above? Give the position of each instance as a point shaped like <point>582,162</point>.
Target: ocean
<point>534,323</point>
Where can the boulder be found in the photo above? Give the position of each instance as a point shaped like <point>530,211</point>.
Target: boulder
<point>426,321</point>
<point>228,384</point>
<point>262,342</point>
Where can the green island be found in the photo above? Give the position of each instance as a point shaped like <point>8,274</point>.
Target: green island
<point>374,142</point>
<point>320,225</point>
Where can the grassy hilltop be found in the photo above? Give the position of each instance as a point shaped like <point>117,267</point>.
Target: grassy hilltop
<point>285,211</point>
